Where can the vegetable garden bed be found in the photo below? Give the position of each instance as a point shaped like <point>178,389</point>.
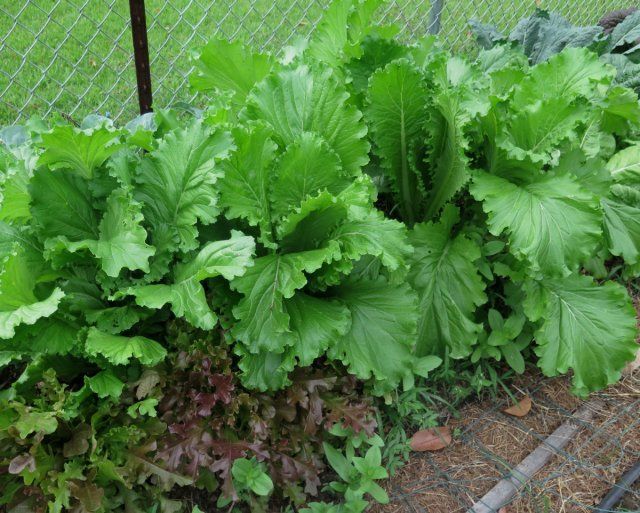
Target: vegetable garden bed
<point>252,304</point>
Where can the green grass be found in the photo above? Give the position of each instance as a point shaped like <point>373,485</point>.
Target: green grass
<point>78,60</point>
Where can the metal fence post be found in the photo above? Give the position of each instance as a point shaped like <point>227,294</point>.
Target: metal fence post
<point>434,16</point>
<point>141,54</point>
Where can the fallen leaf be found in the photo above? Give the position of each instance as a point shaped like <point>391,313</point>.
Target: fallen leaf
<point>631,367</point>
<point>521,408</point>
<point>432,439</point>
<point>503,510</point>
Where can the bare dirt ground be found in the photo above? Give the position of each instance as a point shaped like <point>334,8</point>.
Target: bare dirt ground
<point>489,443</point>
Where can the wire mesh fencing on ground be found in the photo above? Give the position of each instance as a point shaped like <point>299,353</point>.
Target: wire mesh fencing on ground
<point>490,444</point>
<point>75,57</point>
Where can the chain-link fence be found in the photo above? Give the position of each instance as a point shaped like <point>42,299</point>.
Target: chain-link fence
<point>75,56</point>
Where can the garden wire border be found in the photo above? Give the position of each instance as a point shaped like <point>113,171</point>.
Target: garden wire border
<point>75,57</point>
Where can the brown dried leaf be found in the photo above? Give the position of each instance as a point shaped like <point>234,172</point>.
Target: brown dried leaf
<point>432,439</point>
<point>521,408</point>
<point>631,367</point>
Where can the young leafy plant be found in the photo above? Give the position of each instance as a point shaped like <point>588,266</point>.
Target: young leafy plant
<point>517,195</point>
<point>329,271</point>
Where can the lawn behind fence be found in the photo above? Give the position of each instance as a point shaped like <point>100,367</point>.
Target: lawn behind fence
<point>75,56</point>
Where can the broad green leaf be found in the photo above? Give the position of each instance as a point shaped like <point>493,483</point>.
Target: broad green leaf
<point>8,357</point>
<point>27,313</point>
<point>377,52</point>
<point>622,207</point>
<point>622,229</point>
<point>550,220</point>
<point>317,323</point>
<point>115,319</point>
<point>14,194</point>
<point>621,110</point>
<point>626,32</point>
<point>62,205</point>
<point>449,287</point>
<point>229,68</point>
<point>500,57</point>
<point>53,335</point>
<point>20,270</point>
<point>311,223</point>
<point>625,164</point>
<point>383,329</point>
<point>396,110</point>
<point>301,100</point>
<point>337,37</point>
<point>374,235</point>
<point>263,322</point>
<point>119,350</point>
<point>80,151</point>
<point>121,243</point>
<point>450,164</point>
<point>227,258</point>
<point>307,167</point>
<point>534,132</point>
<point>105,384</point>
<point>585,327</point>
<point>178,185</point>
<point>590,173</point>
<point>265,370</point>
<point>244,188</point>
<point>571,73</point>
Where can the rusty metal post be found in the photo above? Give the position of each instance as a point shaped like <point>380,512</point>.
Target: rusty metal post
<point>141,54</point>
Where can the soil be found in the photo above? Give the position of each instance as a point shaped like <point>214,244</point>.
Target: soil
<point>489,443</point>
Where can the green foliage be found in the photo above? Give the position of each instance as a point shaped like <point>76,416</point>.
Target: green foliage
<point>249,475</point>
<point>545,34</point>
<point>511,196</point>
<point>358,474</point>
<point>208,298</point>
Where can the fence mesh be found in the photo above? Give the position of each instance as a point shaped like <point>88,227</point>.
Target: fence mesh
<point>75,56</point>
